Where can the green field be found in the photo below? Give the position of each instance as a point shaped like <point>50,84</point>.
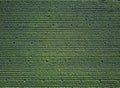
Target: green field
<point>60,43</point>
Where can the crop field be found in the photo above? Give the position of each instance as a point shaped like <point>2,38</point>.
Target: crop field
<point>60,43</point>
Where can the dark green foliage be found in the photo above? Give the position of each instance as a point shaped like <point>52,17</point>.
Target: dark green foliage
<point>60,43</point>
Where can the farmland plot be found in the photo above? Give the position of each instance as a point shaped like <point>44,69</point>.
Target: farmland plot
<point>60,43</point>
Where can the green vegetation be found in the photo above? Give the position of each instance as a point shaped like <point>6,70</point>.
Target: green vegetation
<point>60,43</point>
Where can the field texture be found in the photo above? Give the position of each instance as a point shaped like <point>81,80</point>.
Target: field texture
<point>60,43</point>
